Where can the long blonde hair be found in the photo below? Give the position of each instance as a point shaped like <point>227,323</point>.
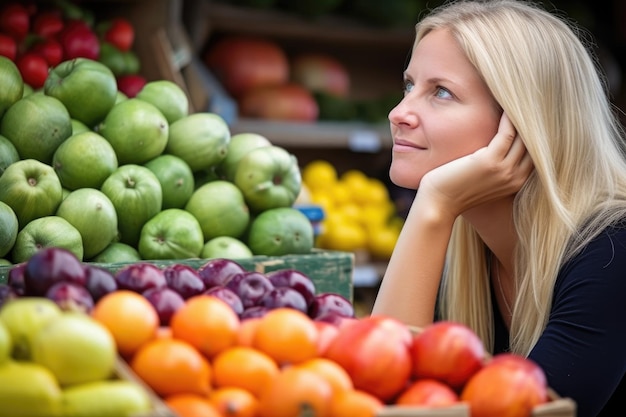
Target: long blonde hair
<point>541,73</point>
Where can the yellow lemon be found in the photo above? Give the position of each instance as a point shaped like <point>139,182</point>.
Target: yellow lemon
<point>351,211</point>
<point>345,236</point>
<point>381,241</point>
<point>377,192</point>
<point>323,199</point>
<point>319,174</point>
<point>374,215</point>
<point>341,193</point>
<point>357,183</point>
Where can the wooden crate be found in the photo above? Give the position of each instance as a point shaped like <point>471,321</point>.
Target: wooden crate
<point>331,271</point>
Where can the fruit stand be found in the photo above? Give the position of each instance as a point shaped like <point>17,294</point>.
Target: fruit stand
<point>129,241</point>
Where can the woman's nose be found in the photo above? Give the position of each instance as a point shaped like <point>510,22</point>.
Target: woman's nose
<point>403,114</point>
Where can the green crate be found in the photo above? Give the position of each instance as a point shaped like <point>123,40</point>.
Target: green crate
<point>331,271</point>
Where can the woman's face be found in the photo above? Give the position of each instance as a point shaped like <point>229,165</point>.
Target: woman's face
<point>447,111</point>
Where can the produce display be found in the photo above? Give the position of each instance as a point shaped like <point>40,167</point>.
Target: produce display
<point>359,213</point>
<point>269,84</point>
<point>114,179</point>
<point>203,352</point>
<point>38,37</point>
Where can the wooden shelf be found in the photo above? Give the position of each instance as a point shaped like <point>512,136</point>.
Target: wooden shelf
<point>358,137</point>
<point>277,23</point>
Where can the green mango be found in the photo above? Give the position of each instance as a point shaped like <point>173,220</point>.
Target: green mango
<point>109,398</point>
<point>28,390</point>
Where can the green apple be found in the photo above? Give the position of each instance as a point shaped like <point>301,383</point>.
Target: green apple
<point>31,188</point>
<point>46,232</point>
<point>137,197</point>
<point>240,145</point>
<point>86,87</point>
<point>36,125</point>
<point>24,317</point>
<point>176,178</point>
<point>200,139</point>
<point>269,177</point>
<point>220,209</point>
<point>28,389</point>
<point>92,213</point>
<point>171,234</point>
<point>76,348</point>
<point>280,231</point>
<point>12,84</point>
<point>9,226</point>
<point>225,247</point>
<point>137,130</point>
<point>84,160</point>
<point>168,97</point>
<point>117,252</point>
<point>28,90</point>
<point>113,397</point>
<point>8,154</point>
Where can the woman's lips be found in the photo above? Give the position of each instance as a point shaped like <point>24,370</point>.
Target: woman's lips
<point>401,145</point>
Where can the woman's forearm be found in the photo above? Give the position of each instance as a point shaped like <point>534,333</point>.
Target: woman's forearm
<point>409,288</point>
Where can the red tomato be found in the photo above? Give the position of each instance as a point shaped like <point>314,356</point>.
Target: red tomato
<point>375,352</point>
<point>288,101</point>
<point>507,386</point>
<point>47,24</point>
<point>34,69</point>
<point>120,33</point>
<point>50,49</point>
<point>447,351</point>
<point>244,63</point>
<point>15,20</point>
<point>78,40</point>
<point>428,392</point>
<point>8,46</point>
<point>130,84</point>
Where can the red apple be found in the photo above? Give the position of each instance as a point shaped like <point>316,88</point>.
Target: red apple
<point>8,47</point>
<point>428,393</point>
<point>79,41</point>
<point>48,23</point>
<point>507,386</point>
<point>321,73</point>
<point>243,63</point>
<point>447,351</point>
<point>290,102</point>
<point>50,49</point>
<point>15,20</point>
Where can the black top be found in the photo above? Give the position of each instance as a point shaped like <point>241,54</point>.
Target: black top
<point>583,348</point>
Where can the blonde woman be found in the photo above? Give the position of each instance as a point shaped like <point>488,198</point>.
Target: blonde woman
<point>518,226</point>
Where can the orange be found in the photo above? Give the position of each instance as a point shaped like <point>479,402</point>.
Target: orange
<point>287,335</point>
<point>246,331</point>
<point>130,317</point>
<point>243,367</point>
<point>326,333</point>
<point>331,371</point>
<point>296,392</point>
<point>234,402</point>
<point>171,366</point>
<point>207,323</point>
<point>355,402</point>
<point>191,405</point>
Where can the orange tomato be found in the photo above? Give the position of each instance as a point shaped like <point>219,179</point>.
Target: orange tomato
<point>172,366</point>
<point>295,391</point>
<point>234,402</point>
<point>207,323</point>
<point>246,331</point>
<point>354,402</point>
<point>130,317</point>
<point>331,371</point>
<point>244,367</point>
<point>428,392</point>
<point>327,332</point>
<point>191,405</point>
<point>287,335</point>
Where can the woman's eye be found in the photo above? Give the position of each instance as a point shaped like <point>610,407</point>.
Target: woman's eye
<point>442,93</point>
<point>408,86</point>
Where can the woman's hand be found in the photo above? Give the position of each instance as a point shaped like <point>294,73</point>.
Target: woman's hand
<point>495,171</point>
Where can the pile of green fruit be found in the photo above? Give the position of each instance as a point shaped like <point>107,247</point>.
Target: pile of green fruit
<point>47,365</point>
<point>118,179</point>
